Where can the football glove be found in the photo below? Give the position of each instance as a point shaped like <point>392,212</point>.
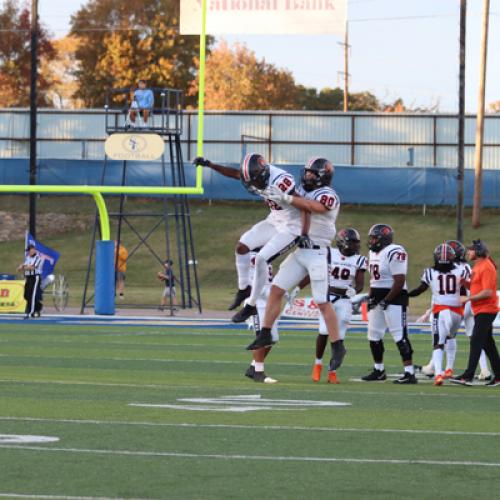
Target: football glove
<point>350,292</point>
<point>200,161</point>
<point>290,296</point>
<point>275,194</point>
<point>372,303</point>
<point>304,241</point>
<point>383,305</point>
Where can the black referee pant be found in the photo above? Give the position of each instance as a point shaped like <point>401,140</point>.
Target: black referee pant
<point>482,338</point>
<point>32,294</point>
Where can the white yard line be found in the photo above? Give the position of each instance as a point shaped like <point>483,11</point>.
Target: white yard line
<point>62,497</point>
<point>252,427</point>
<point>273,458</point>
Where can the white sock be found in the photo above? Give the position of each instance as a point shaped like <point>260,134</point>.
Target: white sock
<point>409,369</point>
<point>253,363</point>
<point>243,270</point>
<point>318,361</point>
<point>437,359</point>
<point>483,363</point>
<point>259,280</point>
<point>451,351</point>
<point>259,367</point>
<point>379,366</point>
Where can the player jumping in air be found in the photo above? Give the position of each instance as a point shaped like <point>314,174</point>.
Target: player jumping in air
<point>275,235</point>
<point>321,205</point>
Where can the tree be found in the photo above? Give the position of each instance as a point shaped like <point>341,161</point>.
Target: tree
<point>236,80</point>
<point>494,107</point>
<point>327,99</point>
<point>15,58</point>
<point>363,101</point>
<point>60,72</point>
<point>126,40</point>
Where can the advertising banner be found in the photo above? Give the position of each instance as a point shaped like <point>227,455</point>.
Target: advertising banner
<point>12,296</point>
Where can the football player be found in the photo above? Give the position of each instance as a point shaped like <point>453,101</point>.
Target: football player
<point>388,298</point>
<point>255,322</point>
<point>447,311</point>
<point>450,347</point>
<point>320,204</point>
<point>274,235</point>
<point>347,275</point>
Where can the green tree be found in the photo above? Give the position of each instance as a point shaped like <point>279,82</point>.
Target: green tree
<point>126,40</point>
<point>15,56</point>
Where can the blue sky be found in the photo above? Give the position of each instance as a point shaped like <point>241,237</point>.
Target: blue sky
<point>414,56</point>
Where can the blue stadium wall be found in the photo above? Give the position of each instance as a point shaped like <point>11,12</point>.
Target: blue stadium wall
<point>354,184</point>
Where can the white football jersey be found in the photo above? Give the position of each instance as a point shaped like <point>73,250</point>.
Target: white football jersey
<point>343,269</point>
<point>445,287</point>
<point>322,229</point>
<point>262,298</point>
<point>282,216</point>
<point>383,265</point>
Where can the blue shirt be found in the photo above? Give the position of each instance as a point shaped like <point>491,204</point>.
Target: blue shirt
<point>144,98</point>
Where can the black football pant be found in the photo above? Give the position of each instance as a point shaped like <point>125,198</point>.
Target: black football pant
<point>33,294</point>
<point>482,338</point>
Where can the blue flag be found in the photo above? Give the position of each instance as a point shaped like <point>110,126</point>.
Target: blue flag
<point>49,255</point>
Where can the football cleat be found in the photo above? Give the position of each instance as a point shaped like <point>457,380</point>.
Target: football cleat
<point>428,370</point>
<point>316,372</point>
<point>493,383</point>
<point>375,375</point>
<point>484,375</point>
<point>263,378</point>
<point>407,378</point>
<point>332,378</point>
<point>240,296</point>
<point>439,380</point>
<point>245,313</point>
<point>448,373</point>
<point>461,380</point>
<point>250,372</point>
<point>262,340</point>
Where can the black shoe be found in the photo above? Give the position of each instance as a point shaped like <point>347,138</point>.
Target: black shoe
<point>26,316</point>
<point>262,340</point>
<point>494,382</point>
<point>247,312</point>
<point>407,378</point>
<point>240,296</point>
<point>375,376</point>
<point>338,356</point>
<point>461,380</point>
<point>263,378</point>
<point>250,371</point>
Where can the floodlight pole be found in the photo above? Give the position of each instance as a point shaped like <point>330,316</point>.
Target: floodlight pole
<point>461,122</point>
<point>33,113</point>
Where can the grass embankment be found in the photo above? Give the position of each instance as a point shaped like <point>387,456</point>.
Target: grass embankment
<point>216,228</point>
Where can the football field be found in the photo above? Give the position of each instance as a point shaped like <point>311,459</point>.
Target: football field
<point>165,412</point>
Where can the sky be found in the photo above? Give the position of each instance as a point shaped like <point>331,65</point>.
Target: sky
<point>399,48</point>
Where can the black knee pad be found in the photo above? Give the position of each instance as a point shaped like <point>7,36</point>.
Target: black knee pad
<point>377,348</point>
<point>405,349</point>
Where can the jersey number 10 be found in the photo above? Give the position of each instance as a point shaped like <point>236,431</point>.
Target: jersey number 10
<point>447,284</point>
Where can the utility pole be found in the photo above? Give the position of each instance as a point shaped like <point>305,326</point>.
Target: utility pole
<point>345,73</point>
<point>33,113</point>
<point>478,153</point>
<point>461,122</point>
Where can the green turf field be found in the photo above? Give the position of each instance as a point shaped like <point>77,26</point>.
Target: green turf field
<point>76,383</point>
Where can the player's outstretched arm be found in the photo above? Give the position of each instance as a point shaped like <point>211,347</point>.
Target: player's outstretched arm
<point>233,173</point>
<point>418,290</point>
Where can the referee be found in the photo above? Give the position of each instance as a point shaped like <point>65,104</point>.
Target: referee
<point>484,302</point>
<point>32,267</point>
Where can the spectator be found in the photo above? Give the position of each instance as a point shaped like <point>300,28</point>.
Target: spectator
<point>142,103</point>
<point>32,267</point>
<point>484,302</point>
<point>121,256</point>
<point>167,276</point>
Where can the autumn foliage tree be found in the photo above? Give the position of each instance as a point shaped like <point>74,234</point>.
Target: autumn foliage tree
<point>126,40</point>
<point>15,58</point>
<point>236,79</point>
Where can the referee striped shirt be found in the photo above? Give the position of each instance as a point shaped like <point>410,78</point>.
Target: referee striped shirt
<point>37,261</point>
